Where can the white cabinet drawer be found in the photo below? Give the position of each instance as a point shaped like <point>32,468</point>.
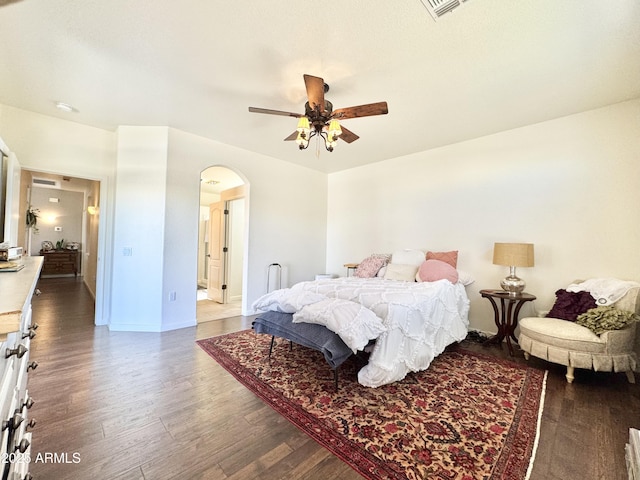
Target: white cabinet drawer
<point>8,372</point>
<point>16,332</point>
<point>25,322</point>
<point>16,440</point>
<point>20,459</point>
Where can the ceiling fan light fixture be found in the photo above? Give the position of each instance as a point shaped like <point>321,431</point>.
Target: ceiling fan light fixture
<point>302,140</point>
<point>330,142</point>
<point>320,120</point>
<point>304,127</point>
<point>334,129</point>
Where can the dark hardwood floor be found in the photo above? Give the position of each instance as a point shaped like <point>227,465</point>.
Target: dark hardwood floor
<point>119,405</point>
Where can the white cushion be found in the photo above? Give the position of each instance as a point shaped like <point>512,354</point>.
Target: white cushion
<point>408,257</point>
<point>563,334</point>
<point>555,327</point>
<point>465,278</point>
<point>396,271</point>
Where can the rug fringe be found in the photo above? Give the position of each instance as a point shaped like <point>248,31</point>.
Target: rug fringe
<point>535,443</point>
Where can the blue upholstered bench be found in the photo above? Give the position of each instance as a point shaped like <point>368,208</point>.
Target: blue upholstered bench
<point>317,337</point>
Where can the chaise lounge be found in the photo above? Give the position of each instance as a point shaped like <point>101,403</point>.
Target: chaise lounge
<point>575,346</point>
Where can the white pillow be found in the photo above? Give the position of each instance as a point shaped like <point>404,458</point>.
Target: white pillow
<point>408,257</point>
<point>403,272</point>
<point>465,278</point>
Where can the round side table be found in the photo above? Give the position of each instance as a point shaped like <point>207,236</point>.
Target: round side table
<point>505,315</point>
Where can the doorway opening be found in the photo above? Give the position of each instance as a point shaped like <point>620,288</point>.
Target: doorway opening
<point>221,244</point>
<point>68,211</point>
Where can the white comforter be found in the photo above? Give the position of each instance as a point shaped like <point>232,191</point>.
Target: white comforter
<point>412,322</point>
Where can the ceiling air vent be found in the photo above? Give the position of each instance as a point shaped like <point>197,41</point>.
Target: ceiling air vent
<point>437,8</point>
<point>45,182</point>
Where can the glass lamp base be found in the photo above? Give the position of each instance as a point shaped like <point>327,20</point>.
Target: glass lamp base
<point>513,285</point>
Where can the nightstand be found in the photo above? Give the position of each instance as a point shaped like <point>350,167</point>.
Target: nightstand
<point>506,315</point>
<point>351,268</point>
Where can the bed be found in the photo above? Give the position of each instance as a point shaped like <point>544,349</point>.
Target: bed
<point>411,321</point>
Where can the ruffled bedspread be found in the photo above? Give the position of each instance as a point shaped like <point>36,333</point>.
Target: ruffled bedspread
<point>412,322</point>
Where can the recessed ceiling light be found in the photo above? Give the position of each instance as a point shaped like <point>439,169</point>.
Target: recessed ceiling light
<point>65,107</point>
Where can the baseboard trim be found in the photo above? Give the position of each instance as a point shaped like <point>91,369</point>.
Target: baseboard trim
<point>136,327</point>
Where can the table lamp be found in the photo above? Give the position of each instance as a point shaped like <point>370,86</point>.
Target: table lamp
<point>513,255</point>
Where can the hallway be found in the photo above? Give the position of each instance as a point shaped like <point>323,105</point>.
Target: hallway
<point>207,310</point>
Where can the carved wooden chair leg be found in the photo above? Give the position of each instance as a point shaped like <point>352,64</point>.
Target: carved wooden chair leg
<point>569,374</point>
<point>630,376</point>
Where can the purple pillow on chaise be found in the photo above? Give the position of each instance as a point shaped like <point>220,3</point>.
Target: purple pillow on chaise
<point>569,305</point>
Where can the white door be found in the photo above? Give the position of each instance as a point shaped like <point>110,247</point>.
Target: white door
<point>235,250</point>
<point>217,246</point>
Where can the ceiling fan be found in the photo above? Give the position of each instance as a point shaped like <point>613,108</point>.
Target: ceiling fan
<point>320,119</point>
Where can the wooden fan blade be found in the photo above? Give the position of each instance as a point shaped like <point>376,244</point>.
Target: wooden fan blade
<point>315,91</point>
<point>368,110</point>
<point>274,112</point>
<point>347,135</point>
<point>293,136</point>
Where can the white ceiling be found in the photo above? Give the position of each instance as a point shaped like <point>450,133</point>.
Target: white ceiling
<point>216,179</point>
<point>196,65</point>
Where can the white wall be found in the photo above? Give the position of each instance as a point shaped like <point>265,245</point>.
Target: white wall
<point>66,213</point>
<point>286,211</point>
<point>570,186</point>
<point>139,229</point>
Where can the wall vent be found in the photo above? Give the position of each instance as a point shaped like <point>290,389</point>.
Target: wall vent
<point>45,182</point>
<point>437,8</point>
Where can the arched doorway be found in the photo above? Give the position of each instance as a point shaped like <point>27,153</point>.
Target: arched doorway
<point>220,244</point>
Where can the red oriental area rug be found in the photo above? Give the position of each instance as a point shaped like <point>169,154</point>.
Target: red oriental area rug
<point>466,417</point>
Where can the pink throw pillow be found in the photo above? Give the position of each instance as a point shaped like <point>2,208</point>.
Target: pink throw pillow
<point>369,267</point>
<point>434,270</point>
<point>450,257</point>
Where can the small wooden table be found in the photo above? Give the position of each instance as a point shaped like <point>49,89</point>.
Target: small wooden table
<point>506,316</point>
<point>351,267</point>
